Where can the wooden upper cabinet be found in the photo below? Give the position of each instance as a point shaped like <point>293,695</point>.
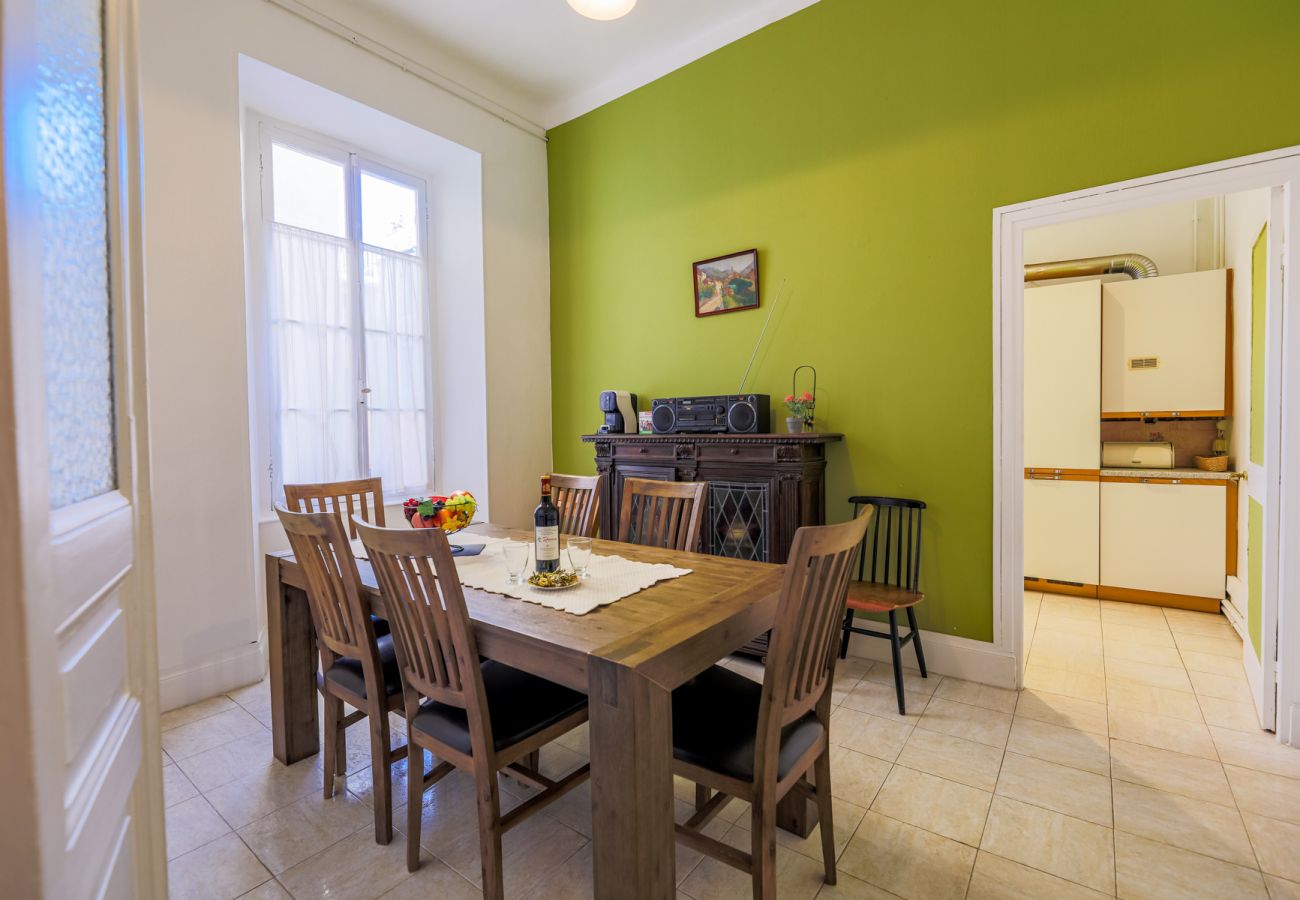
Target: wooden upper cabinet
<point>1165,346</point>
<point>1062,383</point>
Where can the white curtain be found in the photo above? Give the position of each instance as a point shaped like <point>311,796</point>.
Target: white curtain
<point>318,370</point>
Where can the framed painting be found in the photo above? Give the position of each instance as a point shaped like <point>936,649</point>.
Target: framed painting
<point>726,283</point>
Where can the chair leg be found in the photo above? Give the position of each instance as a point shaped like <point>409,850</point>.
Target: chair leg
<point>414,802</point>
<point>489,835</point>
<point>763,847</point>
<point>702,795</point>
<point>916,641</point>
<point>822,772</point>
<point>534,760</point>
<point>844,642</point>
<point>896,650</point>
<point>381,774</point>
<point>332,712</point>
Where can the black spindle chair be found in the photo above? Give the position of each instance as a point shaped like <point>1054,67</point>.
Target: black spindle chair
<point>889,570</point>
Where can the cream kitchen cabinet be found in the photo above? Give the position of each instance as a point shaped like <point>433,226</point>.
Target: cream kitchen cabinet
<point>1062,384</point>
<point>1164,536</point>
<point>1164,346</point>
<point>1061,522</point>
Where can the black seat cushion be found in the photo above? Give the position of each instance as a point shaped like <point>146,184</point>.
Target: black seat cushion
<point>519,705</point>
<point>381,626</point>
<point>715,723</point>
<point>346,671</point>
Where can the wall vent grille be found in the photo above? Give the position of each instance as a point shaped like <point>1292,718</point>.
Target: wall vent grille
<point>1138,363</point>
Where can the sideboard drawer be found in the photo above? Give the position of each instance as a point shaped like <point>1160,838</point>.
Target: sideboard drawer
<point>764,453</point>
<point>647,451</point>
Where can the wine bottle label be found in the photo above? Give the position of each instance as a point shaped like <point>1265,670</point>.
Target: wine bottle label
<point>548,542</point>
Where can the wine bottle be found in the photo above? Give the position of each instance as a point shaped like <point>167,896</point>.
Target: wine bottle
<point>546,531</point>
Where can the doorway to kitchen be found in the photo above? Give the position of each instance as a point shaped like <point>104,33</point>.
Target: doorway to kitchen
<point>1110,361</point>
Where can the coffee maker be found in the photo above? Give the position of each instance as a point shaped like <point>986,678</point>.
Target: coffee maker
<point>619,408</point>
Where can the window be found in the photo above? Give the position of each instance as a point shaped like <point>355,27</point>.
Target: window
<point>347,318</point>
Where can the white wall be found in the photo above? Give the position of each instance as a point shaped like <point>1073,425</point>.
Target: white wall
<point>211,615</point>
<point>1166,233</point>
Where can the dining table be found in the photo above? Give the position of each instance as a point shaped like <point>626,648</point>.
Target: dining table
<point>627,656</point>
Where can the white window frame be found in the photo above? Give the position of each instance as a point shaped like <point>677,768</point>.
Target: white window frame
<point>355,161</point>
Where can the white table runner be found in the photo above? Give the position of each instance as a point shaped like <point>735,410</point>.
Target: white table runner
<point>609,578</point>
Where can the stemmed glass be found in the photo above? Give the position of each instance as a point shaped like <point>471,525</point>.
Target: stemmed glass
<point>579,549</point>
<point>515,554</point>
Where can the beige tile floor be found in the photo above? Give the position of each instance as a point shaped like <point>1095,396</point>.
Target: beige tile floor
<point>1131,764</point>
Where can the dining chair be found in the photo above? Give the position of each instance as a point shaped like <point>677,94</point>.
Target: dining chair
<point>666,514</point>
<point>889,573</point>
<point>362,497</point>
<point>757,742</point>
<point>578,497</point>
<point>357,667</point>
<point>473,714</point>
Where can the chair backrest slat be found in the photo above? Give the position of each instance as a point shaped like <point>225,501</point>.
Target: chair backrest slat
<point>662,513</point>
<point>362,497</point>
<point>333,583</point>
<point>900,562</point>
<point>578,499</point>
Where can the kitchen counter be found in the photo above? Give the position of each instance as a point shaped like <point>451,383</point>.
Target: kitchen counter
<point>1170,473</point>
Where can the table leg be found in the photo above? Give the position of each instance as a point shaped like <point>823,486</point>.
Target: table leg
<point>796,813</point>
<point>294,730</point>
<point>631,784</point>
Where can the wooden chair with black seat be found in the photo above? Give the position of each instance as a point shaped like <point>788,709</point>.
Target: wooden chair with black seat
<point>889,573</point>
<point>578,499</point>
<point>756,741</point>
<point>358,667</point>
<point>668,514</point>
<point>473,714</point>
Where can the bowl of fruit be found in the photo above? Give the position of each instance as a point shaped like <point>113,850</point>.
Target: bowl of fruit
<point>451,513</point>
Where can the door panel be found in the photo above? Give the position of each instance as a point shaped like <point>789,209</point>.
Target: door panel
<point>1169,538</point>
<point>1061,520</point>
<point>1063,376</point>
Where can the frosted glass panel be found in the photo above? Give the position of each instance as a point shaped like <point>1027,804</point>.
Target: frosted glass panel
<point>74,254</point>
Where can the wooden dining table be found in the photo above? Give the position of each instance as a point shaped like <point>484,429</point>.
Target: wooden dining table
<point>627,657</point>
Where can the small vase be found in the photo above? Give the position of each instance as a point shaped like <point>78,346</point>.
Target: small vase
<point>793,425</point>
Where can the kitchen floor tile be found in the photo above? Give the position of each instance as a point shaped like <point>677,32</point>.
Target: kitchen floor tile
<point>1144,653</point>
<point>1090,662</point>
<point>190,824</point>
<point>1060,845</point>
<point>1230,714</point>
<point>1218,646</point>
<point>1156,871</point>
<point>883,673</point>
<point>1083,795</point>
<point>220,870</point>
<point>1275,844</point>
<point>1060,681</point>
<point>1167,677</point>
<point>945,807</point>
<point>855,777</point>
<point>1222,687</point>
<point>1195,661</point>
<point>1177,773</point>
<point>1259,751</point>
<point>1178,735</point>
<point>1156,700</point>
<point>954,758</point>
<point>1058,709</point>
<point>975,694</point>
<point>983,726</point>
<point>1137,634</point>
<point>797,876</point>
<point>878,699</point>
<point>996,878</point>
<point>908,861</point>
<point>304,828</point>
<point>1183,822</point>
<point>1281,889</point>
<point>1063,746</point>
<point>877,736</point>
<point>1265,795</point>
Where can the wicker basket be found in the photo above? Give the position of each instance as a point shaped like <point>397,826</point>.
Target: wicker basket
<point>1212,463</point>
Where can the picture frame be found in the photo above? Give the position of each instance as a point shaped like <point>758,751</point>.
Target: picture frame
<point>727,283</point>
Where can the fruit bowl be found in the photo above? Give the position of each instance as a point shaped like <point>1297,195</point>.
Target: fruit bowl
<point>450,514</point>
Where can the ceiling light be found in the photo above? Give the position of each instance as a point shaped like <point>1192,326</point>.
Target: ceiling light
<point>603,10</point>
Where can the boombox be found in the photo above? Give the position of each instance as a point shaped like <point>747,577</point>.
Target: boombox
<point>732,413</point>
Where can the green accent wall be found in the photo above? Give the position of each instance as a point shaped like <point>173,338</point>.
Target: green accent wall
<point>1255,573</point>
<point>1258,343</point>
<point>862,147</point>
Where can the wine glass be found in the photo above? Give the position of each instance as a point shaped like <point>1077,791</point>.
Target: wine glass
<point>515,554</point>
<point>579,550</point>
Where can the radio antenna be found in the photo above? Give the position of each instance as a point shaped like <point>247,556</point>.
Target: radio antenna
<point>759,343</point>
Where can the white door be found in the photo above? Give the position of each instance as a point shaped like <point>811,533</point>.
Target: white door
<point>1063,376</point>
<point>83,803</point>
<point>1061,541</point>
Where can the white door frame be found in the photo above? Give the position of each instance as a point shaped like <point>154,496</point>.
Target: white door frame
<point>1279,168</point>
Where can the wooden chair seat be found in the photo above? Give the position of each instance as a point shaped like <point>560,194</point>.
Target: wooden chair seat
<point>347,670</point>
<point>715,726</point>
<point>519,705</point>
<point>871,596</point>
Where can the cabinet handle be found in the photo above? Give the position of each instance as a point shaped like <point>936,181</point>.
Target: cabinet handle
<point>641,450</point>
<point>735,451</point>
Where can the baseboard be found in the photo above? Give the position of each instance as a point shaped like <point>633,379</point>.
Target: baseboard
<point>185,686</point>
<point>946,654</point>
<point>1254,677</point>
<point>1287,731</point>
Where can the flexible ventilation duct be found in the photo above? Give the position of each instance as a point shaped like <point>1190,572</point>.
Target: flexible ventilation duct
<point>1134,265</point>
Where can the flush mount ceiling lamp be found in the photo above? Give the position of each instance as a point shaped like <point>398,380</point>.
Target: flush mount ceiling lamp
<point>603,10</point>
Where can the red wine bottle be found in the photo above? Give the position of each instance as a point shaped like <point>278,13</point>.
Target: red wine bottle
<point>546,531</point>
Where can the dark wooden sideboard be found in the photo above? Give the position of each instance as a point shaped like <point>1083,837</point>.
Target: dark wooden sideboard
<point>762,487</point>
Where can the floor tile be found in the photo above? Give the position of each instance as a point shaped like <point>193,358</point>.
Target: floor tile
<point>883,673</point>
<point>1177,773</point>
<point>1230,714</point>
<point>572,878</point>
<point>953,810</point>
<point>953,758</point>
<point>1145,653</point>
<point>1182,822</point>
<point>206,733</point>
<point>1175,704</point>
<point>176,787</point>
<point>1150,870</point>
<point>847,887</point>
<point>1259,751</point>
<point>1064,643</point>
<point>983,726</point>
<point>194,712</point>
<point>1065,604</point>
<point>262,793</point>
<point>1275,845</point>
<point>1222,687</point>
<point>975,694</point>
<point>797,876</point>
<point>234,760</point>
<point>190,824</point>
<point>304,828</point>
<point>1229,647</point>
<point>1167,677</point>
<point>1177,735</point>
<point>1059,681</point>
<point>879,737</point>
<point>847,817</point>
<point>1078,662</point>
<point>880,700</point>
<point>268,890</point>
<point>1265,795</point>
<point>1052,621</point>
<point>1188,622</point>
<point>435,879</point>
<point>1058,709</point>
<point>856,777</point>
<point>1212,663</point>
<point>1133,614</point>
<point>1064,746</point>
<point>908,861</point>
<point>1060,845</point>
<point>355,867</point>
<point>1137,634</point>
<point>996,878</point>
<point>220,870</point>
<point>1083,795</point>
<point>1281,889</point>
